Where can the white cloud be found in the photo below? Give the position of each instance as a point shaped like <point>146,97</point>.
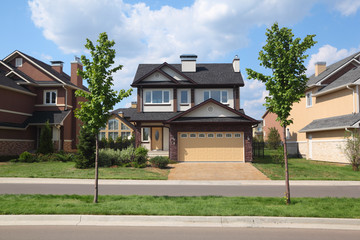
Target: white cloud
<point>328,54</point>
<point>347,7</point>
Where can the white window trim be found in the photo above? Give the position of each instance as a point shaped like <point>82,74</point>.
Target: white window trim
<point>226,135</point>
<point>187,96</point>
<point>222,135</point>
<point>142,135</point>
<point>183,135</point>
<point>213,135</point>
<point>221,95</point>
<point>192,136</point>
<point>237,135</point>
<point>151,96</point>
<point>18,62</point>
<point>308,95</point>
<point>203,135</point>
<point>51,91</point>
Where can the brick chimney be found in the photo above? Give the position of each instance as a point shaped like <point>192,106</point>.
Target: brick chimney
<point>75,79</point>
<point>319,68</point>
<point>57,66</point>
<point>188,62</point>
<point>236,64</point>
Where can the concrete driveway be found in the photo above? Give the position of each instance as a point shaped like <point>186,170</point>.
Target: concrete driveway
<point>215,171</point>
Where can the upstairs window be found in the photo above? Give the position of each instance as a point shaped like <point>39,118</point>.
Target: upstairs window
<point>50,97</point>
<point>124,127</point>
<point>309,99</point>
<point>184,97</point>
<point>220,96</point>
<point>157,96</point>
<point>18,62</point>
<point>113,124</point>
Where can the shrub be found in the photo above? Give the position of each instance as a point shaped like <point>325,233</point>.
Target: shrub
<point>108,157</point>
<point>27,157</point>
<point>46,145</point>
<point>63,157</point>
<point>352,150</point>
<point>273,140</point>
<point>86,149</point>
<point>278,157</point>
<point>127,156</point>
<point>159,161</point>
<point>141,156</point>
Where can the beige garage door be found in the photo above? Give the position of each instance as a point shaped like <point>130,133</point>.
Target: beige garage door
<point>211,146</point>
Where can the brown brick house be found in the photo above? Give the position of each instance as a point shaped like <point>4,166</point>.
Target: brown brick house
<point>191,111</point>
<point>31,93</point>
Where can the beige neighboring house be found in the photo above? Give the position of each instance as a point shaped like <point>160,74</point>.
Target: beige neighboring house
<point>329,110</point>
<point>119,124</point>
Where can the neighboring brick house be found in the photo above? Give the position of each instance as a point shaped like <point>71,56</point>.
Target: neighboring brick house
<point>119,124</point>
<point>31,93</point>
<point>269,121</point>
<point>191,111</point>
<point>329,110</point>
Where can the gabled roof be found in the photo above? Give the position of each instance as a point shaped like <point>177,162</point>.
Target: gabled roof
<point>332,69</point>
<point>217,74</point>
<point>333,123</point>
<point>128,112</point>
<point>9,83</point>
<point>241,116</point>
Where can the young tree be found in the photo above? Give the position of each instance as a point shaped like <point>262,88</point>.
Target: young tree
<point>46,144</point>
<point>285,56</point>
<point>101,99</point>
<point>273,139</point>
<point>352,150</point>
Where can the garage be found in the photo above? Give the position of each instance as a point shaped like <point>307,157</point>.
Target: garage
<point>211,146</point>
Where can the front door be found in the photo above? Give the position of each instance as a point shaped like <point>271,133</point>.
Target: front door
<point>156,138</point>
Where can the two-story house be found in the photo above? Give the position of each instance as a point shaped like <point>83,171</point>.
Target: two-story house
<point>192,112</point>
<point>31,93</point>
<point>328,112</point>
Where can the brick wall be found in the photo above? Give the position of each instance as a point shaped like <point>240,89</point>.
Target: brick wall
<point>16,147</point>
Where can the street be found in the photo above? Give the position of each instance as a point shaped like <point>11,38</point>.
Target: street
<point>174,233</point>
<point>184,190</point>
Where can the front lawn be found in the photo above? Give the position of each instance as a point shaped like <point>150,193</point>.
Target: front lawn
<point>185,206</point>
<point>302,169</point>
<point>68,170</point>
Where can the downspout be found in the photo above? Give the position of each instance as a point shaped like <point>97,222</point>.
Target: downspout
<point>66,96</point>
<point>353,90</point>
<point>357,98</point>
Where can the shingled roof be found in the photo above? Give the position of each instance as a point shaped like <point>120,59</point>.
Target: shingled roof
<point>206,74</point>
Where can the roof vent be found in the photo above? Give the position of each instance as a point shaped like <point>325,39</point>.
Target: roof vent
<point>188,62</point>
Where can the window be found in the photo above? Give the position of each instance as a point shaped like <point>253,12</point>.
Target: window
<point>101,135</point>
<point>192,135</point>
<point>145,133</point>
<point>237,135</point>
<point>183,135</point>
<point>201,135</point>
<point>219,135</point>
<point>124,127</point>
<point>220,96</point>
<point>210,135</point>
<point>113,135</point>
<point>50,97</point>
<point>228,135</point>
<point>309,99</point>
<point>184,96</point>
<point>18,62</point>
<point>125,135</point>
<point>113,124</point>
<point>157,96</point>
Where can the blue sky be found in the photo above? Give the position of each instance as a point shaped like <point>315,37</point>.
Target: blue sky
<point>154,31</point>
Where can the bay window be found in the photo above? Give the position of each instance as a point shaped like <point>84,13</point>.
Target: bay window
<point>218,95</point>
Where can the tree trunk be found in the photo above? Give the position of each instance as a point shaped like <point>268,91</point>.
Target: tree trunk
<point>287,185</point>
<point>96,168</point>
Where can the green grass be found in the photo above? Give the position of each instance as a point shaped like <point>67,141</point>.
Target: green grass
<point>67,170</point>
<point>186,206</point>
<point>302,169</point>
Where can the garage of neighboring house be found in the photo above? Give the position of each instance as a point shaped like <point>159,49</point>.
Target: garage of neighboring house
<point>211,146</point>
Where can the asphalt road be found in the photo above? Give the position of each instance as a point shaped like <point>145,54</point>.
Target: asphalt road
<point>166,233</point>
<point>183,190</point>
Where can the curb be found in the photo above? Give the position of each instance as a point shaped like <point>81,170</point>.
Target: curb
<point>177,182</point>
<point>180,221</point>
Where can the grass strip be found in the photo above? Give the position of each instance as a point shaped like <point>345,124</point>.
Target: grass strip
<point>185,206</point>
<point>68,170</point>
<point>303,169</point>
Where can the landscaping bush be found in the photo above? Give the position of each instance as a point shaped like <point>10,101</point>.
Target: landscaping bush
<point>273,140</point>
<point>63,157</point>
<point>86,150</point>
<point>159,161</point>
<point>27,157</point>
<point>141,157</point>
<point>108,157</point>
<point>46,144</point>
<point>127,156</point>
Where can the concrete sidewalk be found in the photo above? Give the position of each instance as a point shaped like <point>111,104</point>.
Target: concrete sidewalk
<point>177,182</point>
<point>180,221</point>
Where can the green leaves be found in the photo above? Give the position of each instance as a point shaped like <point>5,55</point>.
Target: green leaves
<point>98,73</point>
<point>285,56</point>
